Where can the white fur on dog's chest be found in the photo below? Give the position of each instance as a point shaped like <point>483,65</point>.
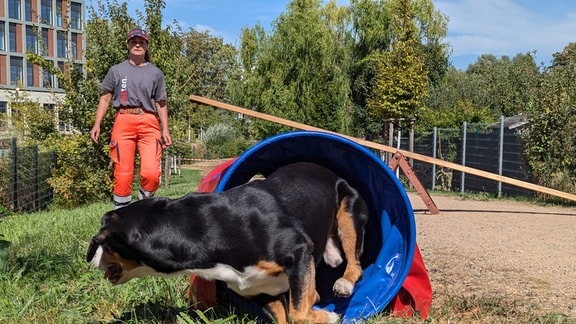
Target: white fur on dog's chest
<point>252,281</point>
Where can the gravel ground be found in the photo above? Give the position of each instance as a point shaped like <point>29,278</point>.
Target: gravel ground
<point>518,251</point>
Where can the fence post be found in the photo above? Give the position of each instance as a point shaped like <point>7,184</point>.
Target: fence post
<point>14,174</point>
<point>36,180</point>
<point>434,140</point>
<point>464,135</point>
<point>166,171</point>
<point>501,154</point>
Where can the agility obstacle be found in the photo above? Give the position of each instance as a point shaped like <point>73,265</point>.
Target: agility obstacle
<point>390,239</point>
<point>381,147</point>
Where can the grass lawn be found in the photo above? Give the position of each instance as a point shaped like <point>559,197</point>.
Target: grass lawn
<point>49,281</point>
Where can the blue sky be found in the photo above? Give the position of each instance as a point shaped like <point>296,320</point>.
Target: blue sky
<point>498,27</point>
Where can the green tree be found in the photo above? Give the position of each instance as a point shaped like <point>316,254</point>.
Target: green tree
<point>401,80</point>
<point>450,103</point>
<point>489,88</point>
<point>30,122</point>
<point>432,26</point>
<point>504,85</point>
<point>376,37</point>
<point>550,136</point>
<point>299,71</point>
<point>213,68</point>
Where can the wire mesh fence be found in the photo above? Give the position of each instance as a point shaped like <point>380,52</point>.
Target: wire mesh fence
<point>23,178</point>
<point>492,148</point>
<point>24,171</point>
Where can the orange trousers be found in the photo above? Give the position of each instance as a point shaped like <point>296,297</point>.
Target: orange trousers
<point>131,131</point>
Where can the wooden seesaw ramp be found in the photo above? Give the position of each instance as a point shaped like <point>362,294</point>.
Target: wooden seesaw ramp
<point>385,148</point>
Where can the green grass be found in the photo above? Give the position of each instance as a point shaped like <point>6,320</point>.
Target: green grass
<point>48,281</point>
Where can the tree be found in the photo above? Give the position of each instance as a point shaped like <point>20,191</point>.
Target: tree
<point>376,37</point>
<point>212,70</point>
<point>432,26</point>
<point>294,72</point>
<point>504,85</point>
<point>30,122</point>
<point>550,136</point>
<point>450,103</point>
<point>401,80</point>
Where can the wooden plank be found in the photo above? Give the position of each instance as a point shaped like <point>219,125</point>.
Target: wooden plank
<point>381,147</point>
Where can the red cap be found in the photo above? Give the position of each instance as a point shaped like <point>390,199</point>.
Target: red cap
<point>137,32</point>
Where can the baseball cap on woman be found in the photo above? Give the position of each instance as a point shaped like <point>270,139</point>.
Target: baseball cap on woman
<point>137,32</point>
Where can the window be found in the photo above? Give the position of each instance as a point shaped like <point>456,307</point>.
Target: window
<point>16,71</point>
<point>59,13</point>
<point>3,112</point>
<point>13,40</point>
<point>61,67</point>
<point>28,10</point>
<point>47,79</point>
<point>2,37</point>
<point>45,45</point>
<point>30,74</point>
<point>74,45</point>
<point>46,11</point>
<point>31,40</point>
<point>14,9</point>
<point>76,15</point>
<point>61,45</point>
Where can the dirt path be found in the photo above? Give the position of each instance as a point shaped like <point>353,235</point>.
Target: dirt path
<point>521,252</point>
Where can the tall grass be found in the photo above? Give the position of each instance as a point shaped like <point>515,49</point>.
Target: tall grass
<point>49,281</point>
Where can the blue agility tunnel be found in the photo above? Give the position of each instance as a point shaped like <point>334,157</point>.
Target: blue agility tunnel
<point>390,233</point>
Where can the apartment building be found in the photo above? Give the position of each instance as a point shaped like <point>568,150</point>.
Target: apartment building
<point>51,28</point>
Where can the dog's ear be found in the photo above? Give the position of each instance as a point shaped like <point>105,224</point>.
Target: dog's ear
<point>95,242</point>
<point>111,216</point>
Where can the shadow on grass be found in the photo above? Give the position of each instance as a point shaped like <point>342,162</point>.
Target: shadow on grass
<point>162,312</point>
<point>151,312</point>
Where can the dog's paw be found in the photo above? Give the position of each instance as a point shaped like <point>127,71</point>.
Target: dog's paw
<point>342,288</point>
<point>333,317</point>
<point>317,316</point>
<point>332,255</point>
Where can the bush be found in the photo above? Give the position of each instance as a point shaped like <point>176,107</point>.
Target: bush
<point>81,175</point>
<point>223,141</point>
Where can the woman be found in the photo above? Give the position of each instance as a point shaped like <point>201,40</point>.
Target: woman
<point>137,91</point>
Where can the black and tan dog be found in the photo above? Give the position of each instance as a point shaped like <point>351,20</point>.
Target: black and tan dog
<point>263,237</point>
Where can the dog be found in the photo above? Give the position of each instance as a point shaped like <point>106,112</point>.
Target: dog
<point>263,237</point>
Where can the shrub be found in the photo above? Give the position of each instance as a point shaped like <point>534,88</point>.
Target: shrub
<point>223,141</point>
<point>81,175</point>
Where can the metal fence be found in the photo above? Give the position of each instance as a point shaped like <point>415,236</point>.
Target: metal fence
<point>23,175</point>
<point>492,148</point>
<point>495,148</point>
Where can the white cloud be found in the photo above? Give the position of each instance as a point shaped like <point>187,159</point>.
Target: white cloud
<point>509,27</point>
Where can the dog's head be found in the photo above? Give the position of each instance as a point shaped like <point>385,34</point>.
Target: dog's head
<point>119,248</point>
